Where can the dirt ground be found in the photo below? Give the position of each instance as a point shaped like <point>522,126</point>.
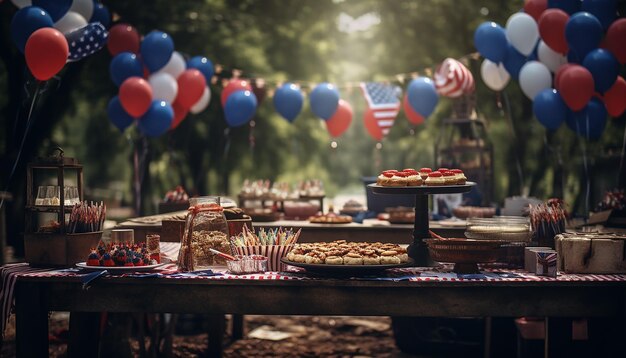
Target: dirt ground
<point>264,336</point>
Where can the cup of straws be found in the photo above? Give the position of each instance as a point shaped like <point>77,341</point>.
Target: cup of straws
<point>547,220</point>
<point>272,243</point>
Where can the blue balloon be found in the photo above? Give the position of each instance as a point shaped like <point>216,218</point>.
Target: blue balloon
<point>101,14</point>
<point>86,40</point>
<point>572,57</point>
<point>490,40</point>
<point>513,61</point>
<point>26,21</point>
<point>157,120</point>
<point>56,8</point>
<point>123,66</point>
<point>603,67</point>
<point>288,101</point>
<point>203,65</point>
<point>156,49</point>
<point>324,100</point>
<point>589,122</point>
<point>423,96</point>
<point>118,115</point>
<point>240,107</point>
<point>569,6</point>
<point>549,108</point>
<point>604,10</point>
<point>583,33</point>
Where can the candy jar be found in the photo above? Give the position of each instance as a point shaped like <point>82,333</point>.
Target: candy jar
<point>205,228</point>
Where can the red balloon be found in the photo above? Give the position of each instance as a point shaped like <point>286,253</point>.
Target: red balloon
<point>180,113</point>
<point>339,122</point>
<point>535,8</point>
<point>616,39</point>
<point>559,72</point>
<point>411,115</point>
<point>135,96</point>
<point>46,53</point>
<point>371,124</point>
<point>123,38</point>
<point>232,86</point>
<point>191,85</point>
<point>615,98</point>
<point>576,87</point>
<point>552,29</point>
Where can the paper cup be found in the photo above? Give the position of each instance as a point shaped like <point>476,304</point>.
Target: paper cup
<point>273,253</point>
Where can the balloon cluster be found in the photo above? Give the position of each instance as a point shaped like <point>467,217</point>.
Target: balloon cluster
<point>566,56</point>
<point>156,85</point>
<point>52,32</point>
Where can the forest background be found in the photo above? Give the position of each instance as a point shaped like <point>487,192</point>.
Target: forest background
<point>291,40</point>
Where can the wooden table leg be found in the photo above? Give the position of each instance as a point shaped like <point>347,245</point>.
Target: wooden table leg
<point>558,341</point>
<point>217,324</point>
<point>31,321</point>
<point>238,326</point>
<point>84,334</point>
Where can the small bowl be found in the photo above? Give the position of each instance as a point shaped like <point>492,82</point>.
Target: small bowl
<point>246,264</point>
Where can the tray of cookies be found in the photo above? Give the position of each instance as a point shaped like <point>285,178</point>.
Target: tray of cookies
<point>342,257</point>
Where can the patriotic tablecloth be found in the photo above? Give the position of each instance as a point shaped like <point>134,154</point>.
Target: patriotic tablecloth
<point>10,273</point>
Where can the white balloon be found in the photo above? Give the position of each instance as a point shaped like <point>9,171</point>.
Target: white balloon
<point>175,66</point>
<point>534,77</point>
<point>164,86</point>
<point>83,7</point>
<point>22,3</point>
<point>70,22</point>
<point>203,102</point>
<point>522,32</point>
<point>494,75</point>
<point>552,59</point>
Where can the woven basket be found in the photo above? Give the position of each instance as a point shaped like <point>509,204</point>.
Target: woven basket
<point>463,251</point>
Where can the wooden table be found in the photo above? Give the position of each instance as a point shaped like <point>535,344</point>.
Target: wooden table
<point>370,231</point>
<point>36,296</point>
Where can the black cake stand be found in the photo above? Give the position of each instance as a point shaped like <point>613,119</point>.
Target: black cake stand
<point>418,250</point>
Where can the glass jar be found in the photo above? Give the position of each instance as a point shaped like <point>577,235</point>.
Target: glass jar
<point>205,228</point>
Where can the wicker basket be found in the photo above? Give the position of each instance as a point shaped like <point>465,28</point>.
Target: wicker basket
<point>464,253</point>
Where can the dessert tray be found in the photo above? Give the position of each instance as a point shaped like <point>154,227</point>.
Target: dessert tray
<point>112,269</point>
<point>422,189</point>
<point>344,270</point>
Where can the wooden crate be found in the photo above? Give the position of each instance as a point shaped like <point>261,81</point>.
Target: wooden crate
<point>64,250</point>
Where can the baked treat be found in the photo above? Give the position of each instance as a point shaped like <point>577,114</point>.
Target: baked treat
<point>424,172</point>
<point>435,179</point>
<point>352,207</point>
<point>449,177</point>
<point>348,253</point>
<point>353,258</point>
<point>413,177</point>
<point>334,260</point>
<point>384,179</point>
<point>330,218</point>
<point>111,255</point>
<point>459,176</point>
<point>398,179</point>
<point>389,257</point>
<point>441,170</point>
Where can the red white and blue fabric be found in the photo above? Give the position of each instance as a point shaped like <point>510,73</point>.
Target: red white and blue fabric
<point>453,79</point>
<point>383,100</point>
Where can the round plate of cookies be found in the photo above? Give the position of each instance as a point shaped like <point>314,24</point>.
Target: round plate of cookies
<point>347,258</point>
<point>423,181</point>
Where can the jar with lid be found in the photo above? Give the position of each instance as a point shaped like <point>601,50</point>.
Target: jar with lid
<point>205,228</point>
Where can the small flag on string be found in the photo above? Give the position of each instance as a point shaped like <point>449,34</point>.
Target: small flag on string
<point>383,101</point>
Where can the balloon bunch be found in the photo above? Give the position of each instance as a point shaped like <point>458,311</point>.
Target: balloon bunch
<point>239,102</point>
<point>51,33</point>
<point>325,104</point>
<point>156,86</point>
<point>566,56</point>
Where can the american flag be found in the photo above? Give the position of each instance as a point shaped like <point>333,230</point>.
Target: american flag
<point>86,40</point>
<point>382,99</point>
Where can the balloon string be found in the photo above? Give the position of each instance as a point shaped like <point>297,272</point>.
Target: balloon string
<point>621,160</point>
<point>518,164</point>
<point>19,152</point>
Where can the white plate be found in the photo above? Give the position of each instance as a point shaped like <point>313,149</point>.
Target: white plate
<point>119,268</point>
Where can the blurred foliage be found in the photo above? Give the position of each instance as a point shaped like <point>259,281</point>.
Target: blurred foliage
<point>298,40</point>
